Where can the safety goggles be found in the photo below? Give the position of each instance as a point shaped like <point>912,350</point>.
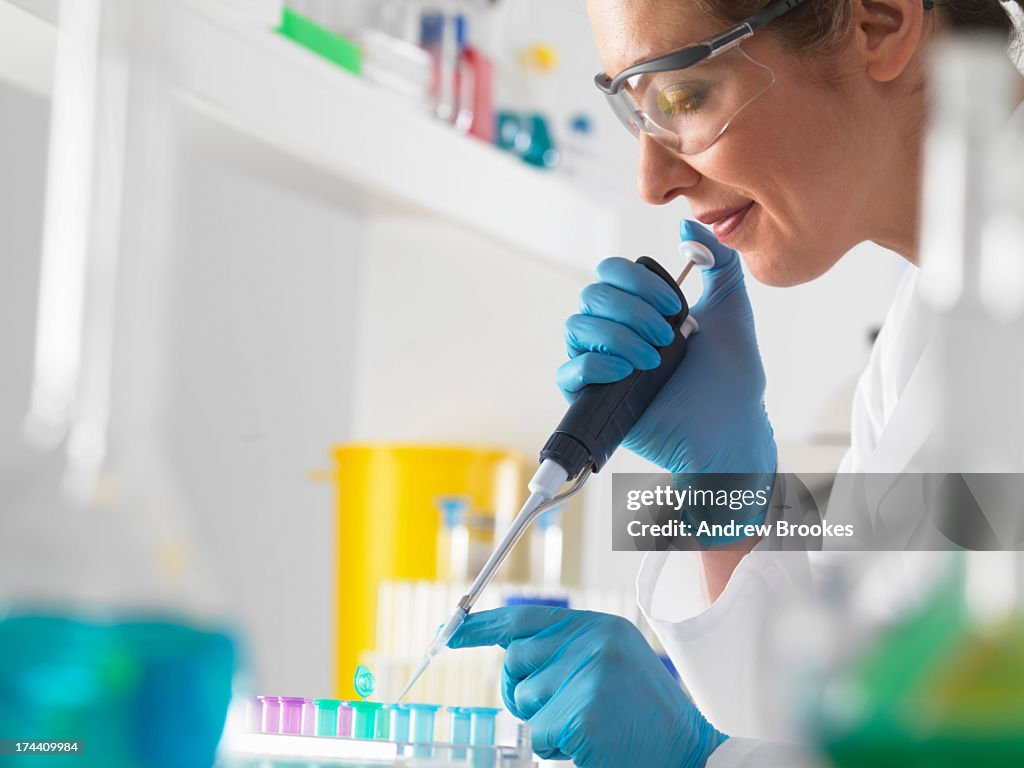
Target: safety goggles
<point>686,99</point>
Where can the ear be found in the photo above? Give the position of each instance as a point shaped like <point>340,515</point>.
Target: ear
<point>887,34</point>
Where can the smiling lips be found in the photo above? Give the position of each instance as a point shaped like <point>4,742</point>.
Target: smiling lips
<point>724,221</point>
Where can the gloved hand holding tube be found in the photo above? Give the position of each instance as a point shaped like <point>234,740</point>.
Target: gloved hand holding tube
<point>591,689</point>
<point>710,416</point>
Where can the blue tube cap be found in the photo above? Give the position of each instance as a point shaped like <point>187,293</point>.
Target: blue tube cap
<point>482,710</point>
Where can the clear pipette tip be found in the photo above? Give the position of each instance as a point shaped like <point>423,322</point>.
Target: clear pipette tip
<point>440,641</point>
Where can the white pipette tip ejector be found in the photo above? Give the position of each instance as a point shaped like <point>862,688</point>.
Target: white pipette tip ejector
<point>696,255</point>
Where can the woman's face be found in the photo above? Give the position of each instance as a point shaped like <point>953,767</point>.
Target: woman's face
<point>822,166</point>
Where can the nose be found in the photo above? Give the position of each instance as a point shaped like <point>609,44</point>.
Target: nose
<point>662,175</point>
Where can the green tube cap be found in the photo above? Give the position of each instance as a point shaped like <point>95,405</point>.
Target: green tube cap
<point>364,681</point>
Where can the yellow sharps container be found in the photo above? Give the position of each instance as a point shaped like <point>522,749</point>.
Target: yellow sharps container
<point>388,523</point>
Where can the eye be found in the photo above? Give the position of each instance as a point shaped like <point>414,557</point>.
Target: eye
<point>683,99</point>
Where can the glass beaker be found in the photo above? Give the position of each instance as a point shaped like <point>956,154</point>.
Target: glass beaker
<point>113,627</point>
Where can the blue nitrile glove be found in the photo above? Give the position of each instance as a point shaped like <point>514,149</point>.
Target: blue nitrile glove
<point>591,689</point>
<point>710,417</point>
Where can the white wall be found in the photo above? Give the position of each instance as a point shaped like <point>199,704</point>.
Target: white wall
<point>266,300</point>
<point>461,338</point>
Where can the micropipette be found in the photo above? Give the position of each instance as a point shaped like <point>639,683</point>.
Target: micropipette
<point>593,427</point>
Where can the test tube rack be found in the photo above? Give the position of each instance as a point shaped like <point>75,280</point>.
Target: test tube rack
<point>246,749</point>
<point>267,730</point>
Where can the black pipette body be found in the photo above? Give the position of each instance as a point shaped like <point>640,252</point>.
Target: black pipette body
<point>603,414</point>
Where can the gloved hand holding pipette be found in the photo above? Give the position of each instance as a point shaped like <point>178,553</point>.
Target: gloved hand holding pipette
<point>606,411</point>
<point>710,416</point>
<point>591,689</point>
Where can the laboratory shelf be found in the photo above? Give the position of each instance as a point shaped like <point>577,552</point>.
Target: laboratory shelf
<point>286,111</point>
<point>392,156</point>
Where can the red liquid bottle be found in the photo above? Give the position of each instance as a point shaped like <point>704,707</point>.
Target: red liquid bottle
<point>474,87</point>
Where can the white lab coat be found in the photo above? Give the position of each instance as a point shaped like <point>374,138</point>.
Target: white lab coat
<point>724,652</point>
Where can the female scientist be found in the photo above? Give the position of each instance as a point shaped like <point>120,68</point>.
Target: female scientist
<point>793,147</point>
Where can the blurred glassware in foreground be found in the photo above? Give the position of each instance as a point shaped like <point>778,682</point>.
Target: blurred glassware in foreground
<point>929,685</point>
<point>921,654</point>
<point>972,255</point>
<point>112,627</point>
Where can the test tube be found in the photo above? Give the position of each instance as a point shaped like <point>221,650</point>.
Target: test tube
<point>364,718</point>
<point>344,719</point>
<point>308,718</point>
<point>382,729</point>
<point>326,716</point>
<point>460,730</point>
<point>481,725</point>
<point>271,721</point>
<point>421,727</point>
<point>481,734</point>
<point>524,744</point>
<point>253,714</point>
<point>291,714</point>
<point>399,717</point>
